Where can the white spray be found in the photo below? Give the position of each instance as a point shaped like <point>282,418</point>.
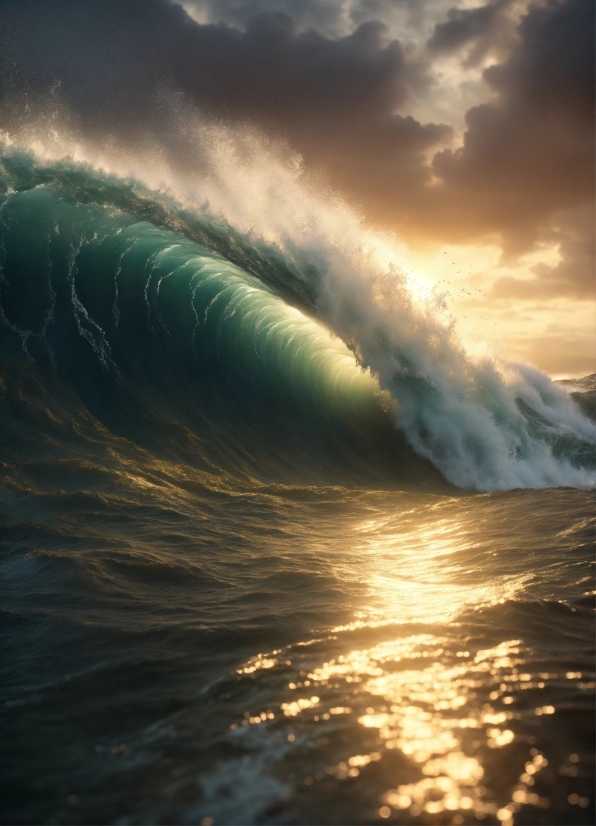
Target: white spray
<point>460,412</point>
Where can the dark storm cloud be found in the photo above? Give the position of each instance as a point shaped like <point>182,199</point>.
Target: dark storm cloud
<point>107,58</point>
<point>332,99</point>
<point>528,158</point>
<point>333,18</point>
<point>484,29</point>
<point>119,68</point>
<point>551,73</point>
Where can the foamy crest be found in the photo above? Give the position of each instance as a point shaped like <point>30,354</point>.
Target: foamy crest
<point>485,425</point>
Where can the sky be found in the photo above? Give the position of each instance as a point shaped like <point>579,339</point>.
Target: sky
<point>463,129</point>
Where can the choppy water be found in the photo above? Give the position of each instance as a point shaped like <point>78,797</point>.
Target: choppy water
<point>245,581</point>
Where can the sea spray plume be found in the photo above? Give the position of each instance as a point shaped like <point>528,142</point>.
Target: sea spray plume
<point>485,428</point>
<point>463,414</point>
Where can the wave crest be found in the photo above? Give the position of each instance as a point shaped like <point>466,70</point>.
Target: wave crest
<point>146,305</point>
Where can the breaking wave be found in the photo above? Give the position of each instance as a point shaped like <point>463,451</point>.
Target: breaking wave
<point>282,356</point>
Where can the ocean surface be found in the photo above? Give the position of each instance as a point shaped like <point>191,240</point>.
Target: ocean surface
<point>273,547</point>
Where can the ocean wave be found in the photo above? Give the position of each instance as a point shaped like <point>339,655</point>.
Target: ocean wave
<point>254,358</point>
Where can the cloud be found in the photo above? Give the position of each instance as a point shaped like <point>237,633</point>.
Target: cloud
<point>113,64</point>
<point>528,157</point>
<point>572,277</point>
<point>332,18</point>
<point>337,87</point>
<point>531,152</point>
<point>110,56</point>
<point>484,29</point>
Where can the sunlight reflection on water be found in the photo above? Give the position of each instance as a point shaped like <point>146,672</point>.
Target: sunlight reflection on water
<point>415,574</point>
<point>414,708</point>
<point>427,708</point>
<point>421,695</point>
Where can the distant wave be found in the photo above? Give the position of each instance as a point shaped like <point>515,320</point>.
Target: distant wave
<point>190,337</point>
